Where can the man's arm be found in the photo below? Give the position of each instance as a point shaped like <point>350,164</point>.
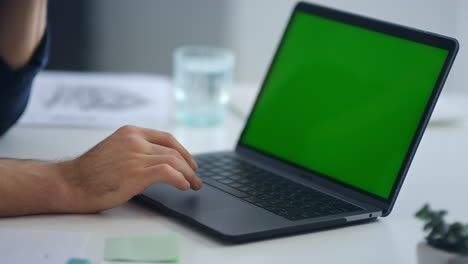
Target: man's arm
<point>23,53</point>
<point>22,26</point>
<point>111,173</point>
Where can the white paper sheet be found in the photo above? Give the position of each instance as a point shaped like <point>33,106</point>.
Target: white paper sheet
<point>41,247</point>
<point>98,100</point>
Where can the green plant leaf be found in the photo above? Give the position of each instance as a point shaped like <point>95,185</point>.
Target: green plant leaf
<point>452,238</point>
<point>424,212</point>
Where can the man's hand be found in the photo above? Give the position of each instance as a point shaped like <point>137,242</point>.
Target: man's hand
<point>111,173</point>
<point>125,164</point>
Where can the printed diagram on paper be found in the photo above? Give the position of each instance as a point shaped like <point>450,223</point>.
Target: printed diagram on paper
<point>98,100</point>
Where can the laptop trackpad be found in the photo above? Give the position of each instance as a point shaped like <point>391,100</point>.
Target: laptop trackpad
<point>193,202</point>
<point>215,209</point>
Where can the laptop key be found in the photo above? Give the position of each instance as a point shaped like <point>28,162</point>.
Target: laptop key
<point>226,181</point>
<point>262,204</point>
<point>235,185</point>
<point>252,192</point>
<point>246,189</point>
<point>251,199</point>
<point>235,177</point>
<point>225,188</point>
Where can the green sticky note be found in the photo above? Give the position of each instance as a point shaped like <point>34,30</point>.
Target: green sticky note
<point>78,261</point>
<point>163,248</point>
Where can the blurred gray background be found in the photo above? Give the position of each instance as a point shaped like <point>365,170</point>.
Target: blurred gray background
<point>140,35</point>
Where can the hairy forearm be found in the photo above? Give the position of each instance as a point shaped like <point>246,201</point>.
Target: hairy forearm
<point>31,187</point>
<point>22,26</point>
<point>111,173</point>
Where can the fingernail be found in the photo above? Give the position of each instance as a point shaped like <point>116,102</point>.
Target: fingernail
<point>196,183</point>
<point>194,164</point>
<point>187,185</point>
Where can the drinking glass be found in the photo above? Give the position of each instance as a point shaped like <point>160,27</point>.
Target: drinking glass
<point>202,80</point>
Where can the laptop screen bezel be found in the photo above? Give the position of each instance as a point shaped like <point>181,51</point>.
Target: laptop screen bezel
<point>427,38</point>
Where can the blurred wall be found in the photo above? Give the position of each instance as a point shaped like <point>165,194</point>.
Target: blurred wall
<point>460,69</point>
<point>255,26</point>
<point>70,39</point>
<point>140,35</point>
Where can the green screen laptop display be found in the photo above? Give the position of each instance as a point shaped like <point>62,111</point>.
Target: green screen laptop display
<point>344,101</point>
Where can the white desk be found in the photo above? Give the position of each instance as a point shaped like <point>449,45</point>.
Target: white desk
<point>438,175</point>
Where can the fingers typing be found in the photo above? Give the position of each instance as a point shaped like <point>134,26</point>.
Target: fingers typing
<point>164,173</point>
<point>179,165</point>
<point>166,139</point>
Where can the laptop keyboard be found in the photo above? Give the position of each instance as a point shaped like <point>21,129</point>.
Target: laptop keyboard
<point>269,191</point>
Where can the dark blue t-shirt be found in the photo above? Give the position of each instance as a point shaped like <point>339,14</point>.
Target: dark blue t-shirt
<point>15,86</point>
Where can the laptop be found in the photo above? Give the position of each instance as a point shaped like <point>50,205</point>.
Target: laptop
<point>331,135</point>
